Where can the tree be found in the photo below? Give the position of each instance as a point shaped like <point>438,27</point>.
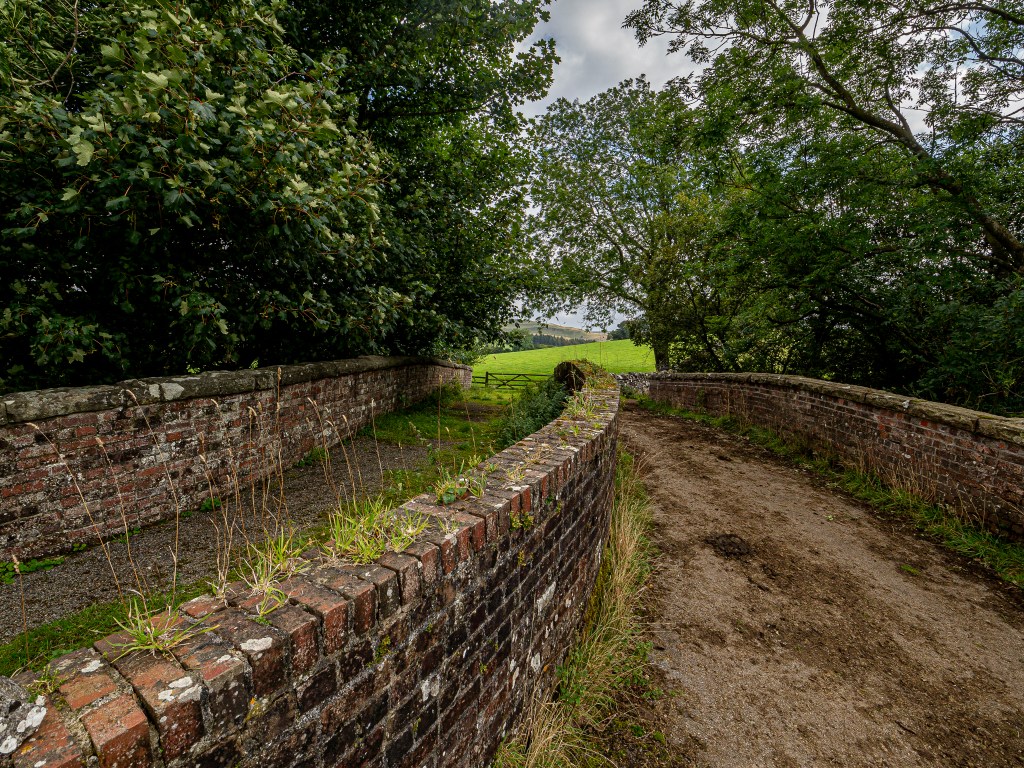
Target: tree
<point>178,188</point>
<point>620,332</point>
<point>199,184</point>
<point>881,249</point>
<point>620,213</point>
<point>959,64</point>
<point>437,83</point>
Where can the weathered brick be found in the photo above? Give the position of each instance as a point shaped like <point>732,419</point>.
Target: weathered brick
<point>51,746</point>
<point>170,694</point>
<point>362,596</point>
<point>119,733</point>
<point>265,648</point>
<point>320,686</point>
<point>224,675</point>
<point>85,678</point>
<point>389,591</point>
<point>301,628</point>
<point>408,569</point>
<point>202,606</point>
<point>331,608</point>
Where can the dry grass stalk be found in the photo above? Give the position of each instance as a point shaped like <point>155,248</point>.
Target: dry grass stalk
<point>560,733</point>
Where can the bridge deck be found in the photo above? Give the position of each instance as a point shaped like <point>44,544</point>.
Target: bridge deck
<point>798,628</point>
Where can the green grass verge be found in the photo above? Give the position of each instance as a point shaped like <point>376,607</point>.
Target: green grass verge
<point>591,718</point>
<point>614,356</point>
<point>952,528</point>
<point>42,644</point>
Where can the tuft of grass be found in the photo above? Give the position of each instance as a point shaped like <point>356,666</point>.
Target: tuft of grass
<point>40,645</point>
<point>154,633</point>
<point>606,667</point>
<point>271,561</point>
<point>945,524</point>
<point>363,531</point>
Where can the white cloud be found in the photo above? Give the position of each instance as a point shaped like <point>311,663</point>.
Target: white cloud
<point>597,53</point>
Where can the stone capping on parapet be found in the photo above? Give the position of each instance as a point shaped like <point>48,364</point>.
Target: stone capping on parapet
<point>36,405</point>
<point>1010,430</point>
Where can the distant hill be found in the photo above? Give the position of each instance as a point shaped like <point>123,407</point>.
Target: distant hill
<point>533,328</point>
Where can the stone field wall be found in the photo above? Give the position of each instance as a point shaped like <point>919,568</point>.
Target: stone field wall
<point>71,460</point>
<point>971,460</point>
<point>423,659</point>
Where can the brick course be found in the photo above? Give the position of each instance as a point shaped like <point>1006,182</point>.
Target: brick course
<point>426,658</point>
<point>120,443</point>
<point>968,459</point>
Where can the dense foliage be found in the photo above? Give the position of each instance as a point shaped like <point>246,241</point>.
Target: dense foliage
<point>532,408</point>
<point>845,201</point>
<point>205,183</point>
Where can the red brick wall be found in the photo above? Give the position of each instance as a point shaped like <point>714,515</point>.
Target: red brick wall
<point>426,658</point>
<point>189,429</point>
<point>949,455</point>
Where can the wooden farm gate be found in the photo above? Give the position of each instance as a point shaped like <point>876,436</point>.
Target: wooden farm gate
<point>509,380</point>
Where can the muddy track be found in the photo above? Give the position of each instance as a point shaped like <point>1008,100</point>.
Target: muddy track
<point>795,628</point>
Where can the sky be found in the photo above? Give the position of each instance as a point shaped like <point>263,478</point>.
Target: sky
<point>597,53</point>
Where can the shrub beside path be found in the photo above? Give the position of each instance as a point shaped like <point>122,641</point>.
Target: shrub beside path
<point>793,626</point>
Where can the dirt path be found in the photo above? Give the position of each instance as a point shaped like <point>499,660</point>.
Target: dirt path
<point>797,629</point>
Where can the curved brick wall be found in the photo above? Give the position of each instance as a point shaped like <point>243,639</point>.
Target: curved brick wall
<point>150,428</point>
<point>949,455</point>
<point>425,658</point>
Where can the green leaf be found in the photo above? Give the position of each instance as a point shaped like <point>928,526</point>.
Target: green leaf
<point>159,80</point>
<point>84,151</point>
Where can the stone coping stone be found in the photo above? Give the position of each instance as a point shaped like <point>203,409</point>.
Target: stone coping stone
<point>36,405</point>
<point>1003,428</point>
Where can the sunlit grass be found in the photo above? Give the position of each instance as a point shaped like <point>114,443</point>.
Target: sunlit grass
<point>621,356</point>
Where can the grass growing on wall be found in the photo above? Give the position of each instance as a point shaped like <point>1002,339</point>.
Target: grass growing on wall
<point>442,424</point>
<point>896,496</point>
<point>621,356</point>
<point>56,638</point>
<point>606,667</point>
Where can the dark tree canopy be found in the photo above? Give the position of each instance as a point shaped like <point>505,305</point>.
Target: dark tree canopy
<point>846,197</point>
<point>201,184</point>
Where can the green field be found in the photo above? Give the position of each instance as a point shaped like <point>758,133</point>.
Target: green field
<point>614,356</point>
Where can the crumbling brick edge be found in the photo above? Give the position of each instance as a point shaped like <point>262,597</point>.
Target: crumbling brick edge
<point>967,459</point>
<point>158,445</point>
<point>426,658</point>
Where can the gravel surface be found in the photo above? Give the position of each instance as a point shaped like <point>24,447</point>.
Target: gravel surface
<point>793,626</point>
